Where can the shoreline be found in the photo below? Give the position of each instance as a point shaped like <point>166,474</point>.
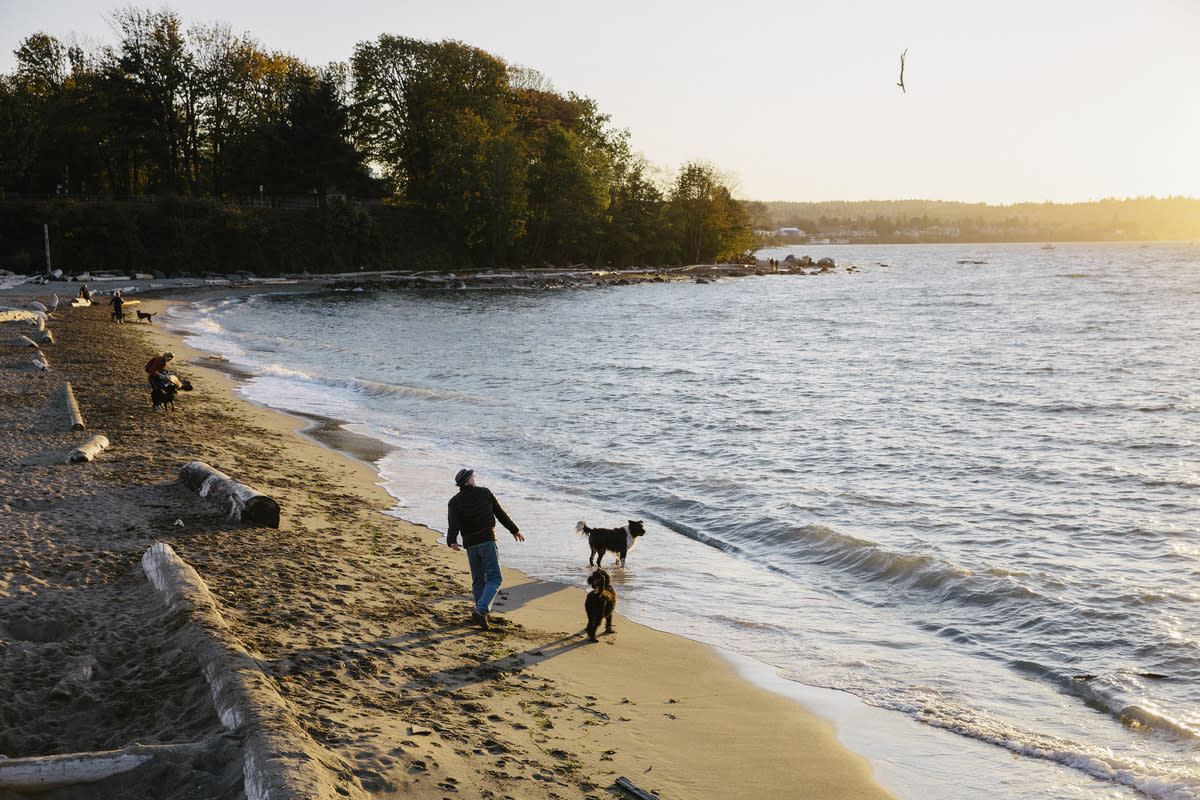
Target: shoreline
<point>358,616</point>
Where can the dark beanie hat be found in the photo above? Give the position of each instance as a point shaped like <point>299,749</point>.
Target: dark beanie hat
<point>463,476</point>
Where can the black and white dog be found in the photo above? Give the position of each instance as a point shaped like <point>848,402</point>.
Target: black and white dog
<point>611,540</point>
<point>599,604</point>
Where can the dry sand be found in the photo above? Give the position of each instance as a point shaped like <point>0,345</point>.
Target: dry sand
<point>355,622</point>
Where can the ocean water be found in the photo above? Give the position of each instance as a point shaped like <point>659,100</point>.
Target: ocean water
<point>960,485</point>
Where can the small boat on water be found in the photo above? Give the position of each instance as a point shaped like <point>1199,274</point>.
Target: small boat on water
<point>1047,247</point>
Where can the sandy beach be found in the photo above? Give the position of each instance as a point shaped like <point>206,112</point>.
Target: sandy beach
<point>348,629</point>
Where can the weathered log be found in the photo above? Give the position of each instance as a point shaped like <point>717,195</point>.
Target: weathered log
<point>88,450</point>
<point>73,411</point>
<point>26,341</point>
<point>41,362</point>
<point>43,773</point>
<point>236,500</point>
<point>625,785</point>
<point>44,337</point>
<point>10,314</point>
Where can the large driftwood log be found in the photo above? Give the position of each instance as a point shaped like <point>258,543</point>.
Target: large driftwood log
<point>236,500</point>
<point>10,314</point>
<point>88,450</point>
<point>42,773</point>
<point>73,411</point>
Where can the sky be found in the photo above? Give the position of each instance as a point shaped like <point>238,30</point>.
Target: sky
<point>1019,101</point>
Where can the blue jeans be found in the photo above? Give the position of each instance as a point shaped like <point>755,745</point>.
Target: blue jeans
<point>484,560</point>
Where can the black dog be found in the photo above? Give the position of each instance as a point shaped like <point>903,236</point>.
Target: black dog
<point>600,603</point>
<point>165,387</point>
<point>145,315</point>
<point>611,540</point>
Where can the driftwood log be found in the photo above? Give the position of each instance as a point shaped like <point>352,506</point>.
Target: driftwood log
<point>625,785</point>
<point>73,411</point>
<point>42,773</point>
<point>236,500</point>
<point>88,450</point>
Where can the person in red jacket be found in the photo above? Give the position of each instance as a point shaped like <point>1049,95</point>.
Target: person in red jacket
<point>473,512</point>
<point>159,383</point>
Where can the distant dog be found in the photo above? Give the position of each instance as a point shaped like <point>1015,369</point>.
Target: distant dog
<point>611,540</point>
<point>600,603</point>
<point>146,315</point>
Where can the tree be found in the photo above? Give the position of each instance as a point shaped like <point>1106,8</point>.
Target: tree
<point>162,93</point>
<point>438,118</point>
<point>265,88</point>
<point>567,195</point>
<point>311,150</point>
<point>711,224</point>
<point>227,67</point>
<point>19,129</point>
<point>635,226</point>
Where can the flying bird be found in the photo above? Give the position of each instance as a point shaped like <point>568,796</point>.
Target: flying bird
<point>901,83</point>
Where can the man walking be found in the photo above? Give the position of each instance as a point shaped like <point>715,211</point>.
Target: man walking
<point>473,512</point>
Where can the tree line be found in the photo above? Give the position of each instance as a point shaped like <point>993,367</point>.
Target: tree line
<point>1131,219</point>
<point>410,146</point>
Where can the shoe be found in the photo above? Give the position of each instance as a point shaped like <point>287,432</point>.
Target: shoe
<point>480,618</point>
<point>160,408</point>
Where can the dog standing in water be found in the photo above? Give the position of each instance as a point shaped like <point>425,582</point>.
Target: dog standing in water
<point>599,604</point>
<point>611,540</point>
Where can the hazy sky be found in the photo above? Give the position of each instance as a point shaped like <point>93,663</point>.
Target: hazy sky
<point>1021,100</point>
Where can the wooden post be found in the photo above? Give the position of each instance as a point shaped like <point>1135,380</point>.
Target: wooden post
<point>236,500</point>
<point>46,234</point>
<point>73,411</point>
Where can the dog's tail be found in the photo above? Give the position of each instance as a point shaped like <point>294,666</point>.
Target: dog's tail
<point>581,528</point>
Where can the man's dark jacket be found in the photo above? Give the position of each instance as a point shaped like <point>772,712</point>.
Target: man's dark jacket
<point>473,512</point>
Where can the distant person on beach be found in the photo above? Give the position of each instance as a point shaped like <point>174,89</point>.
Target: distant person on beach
<point>473,513</point>
<point>84,293</point>
<point>159,392</point>
<point>118,306</point>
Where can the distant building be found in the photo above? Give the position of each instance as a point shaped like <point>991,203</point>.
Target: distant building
<point>790,233</point>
